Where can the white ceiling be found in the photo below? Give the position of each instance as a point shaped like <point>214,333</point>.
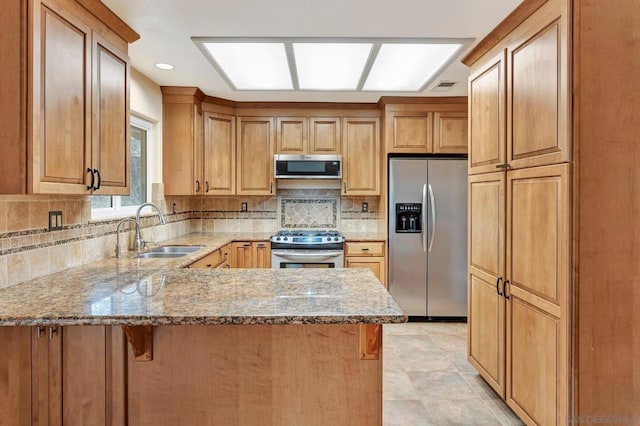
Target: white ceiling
<point>166,28</point>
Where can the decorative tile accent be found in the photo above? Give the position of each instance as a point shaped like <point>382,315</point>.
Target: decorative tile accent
<point>308,213</point>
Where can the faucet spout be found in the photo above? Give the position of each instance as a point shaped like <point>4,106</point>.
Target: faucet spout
<point>138,243</point>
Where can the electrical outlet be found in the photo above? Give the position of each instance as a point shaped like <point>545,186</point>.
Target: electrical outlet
<point>55,220</point>
<point>244,207</point>
<point>365,207</point>
<point>174,208</point>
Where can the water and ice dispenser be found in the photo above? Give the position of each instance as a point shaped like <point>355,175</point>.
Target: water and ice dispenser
<point>408,218</point>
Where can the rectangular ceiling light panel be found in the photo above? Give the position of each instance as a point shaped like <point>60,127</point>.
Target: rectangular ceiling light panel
<point>407,67</point>
<point>253,66</point>
<point>330,66</point>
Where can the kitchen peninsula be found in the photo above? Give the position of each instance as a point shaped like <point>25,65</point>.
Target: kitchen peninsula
<point>145,341</point>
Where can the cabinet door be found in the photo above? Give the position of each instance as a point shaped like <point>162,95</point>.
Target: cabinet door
<point>47,375</point>
<point>487,125</point>
<point>450,133</point>
<point>291,135</point>
<point>15,376</point>
<point>324,135</point>
<point>110,148</point>
<point>537,99</point>
<point>486,315</point>
<point>361,156</point>
<point>241,255</point>
<point>409,131</point>
<point>255,156</point>
<point>61,151</point>
<point>219,154</point>
<point>262,255</point>
<point>376,264</point>
<point>537,314</point>
<point>181,149</point>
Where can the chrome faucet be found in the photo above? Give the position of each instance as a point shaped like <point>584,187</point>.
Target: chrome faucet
<point>139,242</point>
<point>128,219</point>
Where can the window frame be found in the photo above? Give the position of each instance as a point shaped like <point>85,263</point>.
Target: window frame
<point>117,210</point>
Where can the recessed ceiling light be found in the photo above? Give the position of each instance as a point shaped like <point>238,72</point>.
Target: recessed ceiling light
<point>408,67</point>
<point>164,66</point>
<point>253,66</point>
<point>330,66</point>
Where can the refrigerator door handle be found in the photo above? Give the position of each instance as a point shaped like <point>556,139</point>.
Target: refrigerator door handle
<point>423,232</point>
<point>433,217</point>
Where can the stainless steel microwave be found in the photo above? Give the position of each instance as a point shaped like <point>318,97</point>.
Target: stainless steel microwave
<point>308,166</point>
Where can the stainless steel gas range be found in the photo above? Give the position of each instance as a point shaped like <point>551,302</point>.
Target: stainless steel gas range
<point>307,249</point>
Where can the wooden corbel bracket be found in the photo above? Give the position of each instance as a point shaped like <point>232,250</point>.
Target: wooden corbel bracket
<point>140,337</point>
<point>370,341</point>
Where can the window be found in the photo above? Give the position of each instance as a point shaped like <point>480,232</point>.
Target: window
<point>107,205</point>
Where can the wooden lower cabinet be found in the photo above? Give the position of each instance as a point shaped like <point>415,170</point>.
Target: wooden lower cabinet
<point>519,288</point>
<point>216,259</point>
<point>246,254</point>
<point>15,376</point>
<point>61,375</point>
<point>370,255</point>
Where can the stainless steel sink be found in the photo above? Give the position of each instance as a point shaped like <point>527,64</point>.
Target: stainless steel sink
<point>156,255</point>
<point>167,252</point>
<point>175,249</point>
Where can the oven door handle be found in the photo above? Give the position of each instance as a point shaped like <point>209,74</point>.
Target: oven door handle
<point>330,254</point>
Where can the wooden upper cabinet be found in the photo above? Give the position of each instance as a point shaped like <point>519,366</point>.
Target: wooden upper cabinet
<point>219,154</point>
<point>450,134</point>
<point>110,150</point>
<point>292,135</point>
<point>65,100</point>
<point>537,99</point>
<point>409,131</point>
<point>61,154</point>
<point>324,135</point>
<point>487,125</point>
<point>255,140</point>
<point>361,156</point>
<point>486,236</point>
<point>182,148</point>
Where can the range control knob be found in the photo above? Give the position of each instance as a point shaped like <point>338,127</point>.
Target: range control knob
<point>277,238</point>
<point>336,239</point>
<point>285,238</point>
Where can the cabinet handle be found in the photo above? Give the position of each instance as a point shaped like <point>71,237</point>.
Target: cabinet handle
<point>93,181</point>
<point>97,171</point>
<point>271,188</point>
<point>246,245</point>
<point>504,290</point>
<point>498,286</point>
<point>503,166</point>
<point>197,186</point>
<point>206,186</point>
<point>39,331</point>
<point>364,249</point>
<point>52,331</point>
<point>261,245</point>
<point>208,265</point>
<point>345,186</point>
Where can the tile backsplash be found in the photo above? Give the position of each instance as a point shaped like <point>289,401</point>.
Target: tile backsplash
<point>29,250</point>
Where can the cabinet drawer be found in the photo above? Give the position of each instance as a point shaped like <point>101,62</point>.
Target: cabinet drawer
<point>369,248</point>
<point>212,260</point>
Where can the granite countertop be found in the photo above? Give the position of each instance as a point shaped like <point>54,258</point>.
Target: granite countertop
<point>131,291</point>
<point>364,236</point>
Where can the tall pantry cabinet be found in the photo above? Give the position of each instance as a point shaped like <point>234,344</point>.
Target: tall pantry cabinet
<point>553,251</point>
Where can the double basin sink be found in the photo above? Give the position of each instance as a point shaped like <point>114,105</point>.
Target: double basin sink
<point>167,252</point>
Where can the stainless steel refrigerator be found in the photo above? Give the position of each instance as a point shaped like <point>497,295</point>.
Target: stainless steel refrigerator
<point>428,236</point>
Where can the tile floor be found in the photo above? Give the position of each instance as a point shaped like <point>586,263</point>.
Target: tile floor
<point>428,381</point>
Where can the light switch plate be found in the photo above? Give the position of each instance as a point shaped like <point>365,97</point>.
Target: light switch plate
<point>244,207</point>
<point>55,220</point>
<point>365,207</point>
